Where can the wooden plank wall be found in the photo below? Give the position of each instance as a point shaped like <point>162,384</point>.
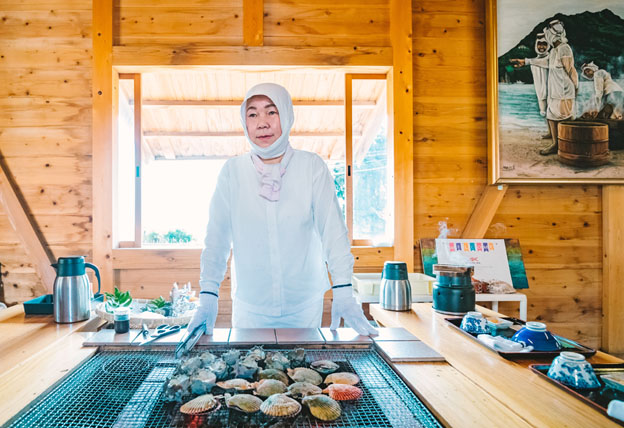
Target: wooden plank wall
<point>45,130</point>
<point>45,133</point>
<point>559,227</point>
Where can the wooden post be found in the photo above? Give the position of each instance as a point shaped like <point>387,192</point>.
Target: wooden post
<point>253,19</point>
<point>26,231</point>
<point>403,97</point>
<point>612,269</point>
<point>483,212</point>
<point>103,140</point>
<point>349,154</point>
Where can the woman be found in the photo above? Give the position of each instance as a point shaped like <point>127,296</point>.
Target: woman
<point>277,210</point>
<point>608,99</point>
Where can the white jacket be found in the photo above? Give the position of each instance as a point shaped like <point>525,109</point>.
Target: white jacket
<point>279,248</point>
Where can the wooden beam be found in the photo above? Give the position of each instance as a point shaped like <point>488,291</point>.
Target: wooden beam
<point>137,56</point>
<point>612,269</point>
<point>403,100</point>
<point>349,154</point>
<point>238,102</point>
<point>103,140</point>
<point>483,212</point>
<point>27,232</point>
<point>138,144</point>
<point>253,20</point>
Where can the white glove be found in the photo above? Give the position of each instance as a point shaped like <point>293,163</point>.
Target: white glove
<point>344,306</point>
<point>205,313</point>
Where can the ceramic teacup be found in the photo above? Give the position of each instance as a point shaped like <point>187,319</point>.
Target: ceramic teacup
<point>473,322</point>
<point>570,368</point>
<point>535,334</point>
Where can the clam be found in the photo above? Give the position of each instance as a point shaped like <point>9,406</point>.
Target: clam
<point>245,403</point>
<point>280,405</point>
<point>301,389</point>
<point>207,358</point>
<point>189,365</point>
<point>202,404</point>
<point>202,381</point>
<point>231,356</point>
<point>257,353</point>
<point>324,366</point>
<point>297,357</point>
<point>219,368</point>
<point>273,374</point>
<point>177,387</point>
<point>343,392</point>
<point>237,384</point>
<point>302,374</point>
<point>276,360</point>
<point>322,407</point>
<point>342,377</point>
<point>268,387</point>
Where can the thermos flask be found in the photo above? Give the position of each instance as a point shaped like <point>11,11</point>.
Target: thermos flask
<point>395,293</point>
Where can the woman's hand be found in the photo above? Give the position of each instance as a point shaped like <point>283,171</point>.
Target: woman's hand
<point>205,313</point>
<point>345,307</point>
<point>517,62</point>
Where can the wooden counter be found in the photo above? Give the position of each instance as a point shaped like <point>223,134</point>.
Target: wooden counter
<point>532,400</point>
<point>474,388</point>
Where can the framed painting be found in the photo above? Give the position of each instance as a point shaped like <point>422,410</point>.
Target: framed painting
<point>555,91</point>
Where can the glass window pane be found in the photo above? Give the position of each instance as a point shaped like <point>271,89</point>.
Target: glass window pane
<point>124,216</point>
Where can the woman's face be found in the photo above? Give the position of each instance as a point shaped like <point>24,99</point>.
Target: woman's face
<point>262,120</point>
<point>588,72</point>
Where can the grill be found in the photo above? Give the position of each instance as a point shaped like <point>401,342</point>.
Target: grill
<point>124,388</point>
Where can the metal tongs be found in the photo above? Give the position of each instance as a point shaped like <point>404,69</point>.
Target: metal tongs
<point>189,340</point>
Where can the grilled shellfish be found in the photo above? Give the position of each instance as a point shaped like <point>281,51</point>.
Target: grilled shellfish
<point>342,377</point>
<point>268,387</point>
<point>202,381</point>
<point>324,367</point>
<point>280,405</point>
<point>343,392</point>
<point>301,389</point>
<point>303,374</point>
<point>202,404</point>
<point>322,407</point>
<point>274,374</point>
<point>245,403</point>
<point>237,384</point>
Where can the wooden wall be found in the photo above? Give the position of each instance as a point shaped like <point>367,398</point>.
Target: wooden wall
<point>45,135</point>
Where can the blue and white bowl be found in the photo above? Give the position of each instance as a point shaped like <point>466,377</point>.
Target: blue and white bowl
<point>571,369</point>
<point>535,334</point>
<point>473,322</point>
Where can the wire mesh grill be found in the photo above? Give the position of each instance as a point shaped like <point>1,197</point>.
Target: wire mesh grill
<point>125,389</point>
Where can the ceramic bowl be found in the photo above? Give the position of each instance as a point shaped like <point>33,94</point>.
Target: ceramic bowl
<point>473,322</point>
<point>535,334</point>
<point>571,369</point>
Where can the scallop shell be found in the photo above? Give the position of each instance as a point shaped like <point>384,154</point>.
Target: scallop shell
<point>245,403</point>
<point>342,377</point>
<point>302,374</point>
<point>268,387</point>
<point>202,404</point>
<point>301,389</point>
<point>280,405</point>
<point>324,366</point>
<point>274,374</point>
<point>322,407</point>
<point>343,392</point>
<point>238,384</point>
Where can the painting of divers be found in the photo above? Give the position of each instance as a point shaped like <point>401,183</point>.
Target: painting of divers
<point>560,89</point>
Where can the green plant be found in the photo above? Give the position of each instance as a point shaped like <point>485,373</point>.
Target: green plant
<point>159,305</point>
<point>117,299</point>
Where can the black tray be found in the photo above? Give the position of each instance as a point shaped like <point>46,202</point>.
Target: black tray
<point>598,398</point>
<point>44,305</point>
<point>566,344</point>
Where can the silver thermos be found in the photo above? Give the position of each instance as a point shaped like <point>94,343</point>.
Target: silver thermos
<point>72,289</point>
<point>395,293</point>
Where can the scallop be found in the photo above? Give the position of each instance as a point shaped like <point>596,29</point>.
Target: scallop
<point>303,374</point>
<point>322,407</point>
<point>342,377</point>
<point>202,404</point>
<point>301,389</point>
<point>343,392</point>
<point>324,367</point>
<point>237,384</point>
<point>280,405</point>
<point>245,403</point>
<point>274,374</point>
<point>202,381</point>
<point>268,387</point>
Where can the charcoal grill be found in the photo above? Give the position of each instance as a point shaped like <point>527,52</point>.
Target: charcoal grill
<point>124,389</point>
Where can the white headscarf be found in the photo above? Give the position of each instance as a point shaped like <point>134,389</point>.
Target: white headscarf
<point>281,98</point>
<point>271,174</point>
<point>541,38</point>
<point>555,32</point>
<point>590,66</point>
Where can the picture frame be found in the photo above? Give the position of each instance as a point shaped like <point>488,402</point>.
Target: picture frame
<point>589,147</point>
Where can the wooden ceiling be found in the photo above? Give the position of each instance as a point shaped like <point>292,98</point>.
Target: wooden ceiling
<point>194,114</point>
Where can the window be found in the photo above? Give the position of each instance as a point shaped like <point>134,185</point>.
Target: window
<point>176,129</point>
